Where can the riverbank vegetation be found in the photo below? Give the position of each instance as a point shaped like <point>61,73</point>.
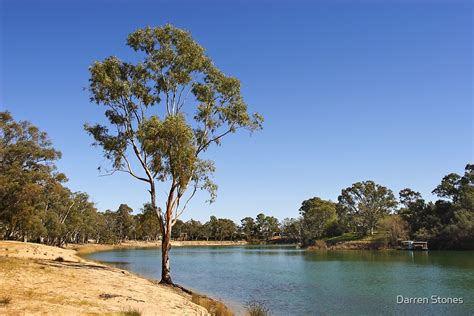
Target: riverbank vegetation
<point>36,205</point>
<point>369,213</point>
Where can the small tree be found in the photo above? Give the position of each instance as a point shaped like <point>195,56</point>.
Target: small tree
<point>394,228</point>
<point>316,215</point>
<point>124,222</point>
<point>248,228</point>
<point>365,203</point>
<point>164,112</point>
<point>291,229</point>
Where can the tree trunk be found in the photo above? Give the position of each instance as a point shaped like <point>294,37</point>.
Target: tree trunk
<point>165,260</point>
<point>166,241</point>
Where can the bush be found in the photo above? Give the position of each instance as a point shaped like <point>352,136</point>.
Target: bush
<point>257,308</point>
<point>214,307</point>
<point>394,229</point>
<point>334,229</point>
<point>131,312</point>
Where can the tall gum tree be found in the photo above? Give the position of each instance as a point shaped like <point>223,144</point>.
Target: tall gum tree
<point>364,204</point>
<point>163,113</point>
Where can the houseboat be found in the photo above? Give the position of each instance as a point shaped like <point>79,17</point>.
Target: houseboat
<point>413,245</point>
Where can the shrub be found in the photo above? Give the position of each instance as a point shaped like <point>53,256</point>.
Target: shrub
<point>334,229</point>
<point>394,228</point>
<point>214,307</point>
<point>131,312</point>
<point>257,308</point>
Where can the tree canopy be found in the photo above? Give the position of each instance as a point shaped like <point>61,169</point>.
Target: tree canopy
<point>34,203</point>
<point>316,215</point>
<point>164,111</point>
<point>364,203</point>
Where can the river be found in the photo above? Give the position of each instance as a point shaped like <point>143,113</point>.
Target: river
<point>291,281</point>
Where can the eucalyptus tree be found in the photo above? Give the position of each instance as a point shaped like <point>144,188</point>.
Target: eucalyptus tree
<point>364,204</point>
<point>148,223</point>
<point>27,166</point>
<point>291,229</point>
<point>163,113</point>
<point>316,215</point>
<point>248,228</point>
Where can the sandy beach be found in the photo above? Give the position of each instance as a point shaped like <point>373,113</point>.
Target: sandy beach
<point>89,248</point>
<point>39,279</point>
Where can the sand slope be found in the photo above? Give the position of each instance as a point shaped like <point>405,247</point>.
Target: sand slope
<point>37,284</point>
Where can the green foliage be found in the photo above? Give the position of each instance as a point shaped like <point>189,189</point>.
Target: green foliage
<point>164,112</point>
<point>449,222</point>
<point>262,228</point>
<point>174,70</point>
<point>345,237</point>
<point>221,228</point>
<point>291,229</point>
<point>316,215</point>
<point>147,224</point>
<point>124,222</point>
<point>334,228</point>
<point>363,204</point>
<point>34,203</point>
<point>392,228</point>
<point>266,226</point>
<point>248,229</point>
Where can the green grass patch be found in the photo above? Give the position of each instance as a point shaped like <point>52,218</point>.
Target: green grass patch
<point>345,237</point>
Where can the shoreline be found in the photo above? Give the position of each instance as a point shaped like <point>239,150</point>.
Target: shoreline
<point>41,279</point>
<point>84,249</point>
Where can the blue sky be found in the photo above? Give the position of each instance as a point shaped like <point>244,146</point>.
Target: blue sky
<point>350,91</point>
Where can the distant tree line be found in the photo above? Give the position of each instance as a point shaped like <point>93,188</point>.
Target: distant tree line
<point>367,208</point>
<point>35,205</point>
<point>262,228</point>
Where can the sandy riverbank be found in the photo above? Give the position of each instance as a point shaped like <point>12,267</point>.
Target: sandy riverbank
<point>36,281</point>
<point>89,248</point>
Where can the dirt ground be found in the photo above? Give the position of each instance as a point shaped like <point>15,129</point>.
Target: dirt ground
<point>37,280</point>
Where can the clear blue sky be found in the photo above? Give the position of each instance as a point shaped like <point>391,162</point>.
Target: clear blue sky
<point>350,91</point>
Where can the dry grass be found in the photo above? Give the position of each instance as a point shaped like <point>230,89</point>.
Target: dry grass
<point>38,284</point>
<point>131,312</point>
<point>257,308</point>
<point>214,307</point>
<point>5,300</point>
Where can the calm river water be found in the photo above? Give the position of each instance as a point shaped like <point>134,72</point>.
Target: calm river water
<point>297,282</point>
